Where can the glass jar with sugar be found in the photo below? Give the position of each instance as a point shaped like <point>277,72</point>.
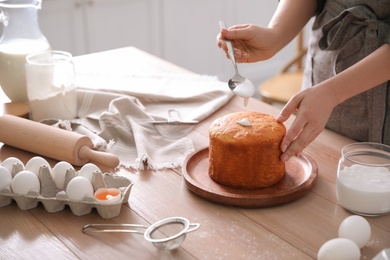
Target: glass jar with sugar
<point>363,178</point>
<point>51,86</point>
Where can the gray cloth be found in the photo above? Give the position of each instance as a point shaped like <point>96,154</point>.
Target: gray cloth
<point>117,114</point>
<point>344,33</point>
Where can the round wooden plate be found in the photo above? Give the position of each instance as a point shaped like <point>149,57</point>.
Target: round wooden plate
<point>301,173</point>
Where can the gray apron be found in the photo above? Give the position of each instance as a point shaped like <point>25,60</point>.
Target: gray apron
<point>344,33</point>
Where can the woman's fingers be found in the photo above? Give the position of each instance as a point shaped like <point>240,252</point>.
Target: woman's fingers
<point>313,110</point>
<point>306,135</point>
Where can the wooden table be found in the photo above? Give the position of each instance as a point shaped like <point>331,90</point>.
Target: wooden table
<point>291,231</point>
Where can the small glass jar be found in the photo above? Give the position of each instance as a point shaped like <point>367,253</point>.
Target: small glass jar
<point>363,178</point>
<point>51,86</point>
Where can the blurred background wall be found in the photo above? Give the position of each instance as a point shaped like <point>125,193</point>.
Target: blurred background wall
<point>180,31</point>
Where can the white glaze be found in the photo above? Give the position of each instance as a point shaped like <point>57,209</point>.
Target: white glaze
<point>244,122</point>
<point>245,90</point>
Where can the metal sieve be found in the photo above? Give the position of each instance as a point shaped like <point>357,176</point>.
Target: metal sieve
<point>174,127</point>
<point>165,234</point>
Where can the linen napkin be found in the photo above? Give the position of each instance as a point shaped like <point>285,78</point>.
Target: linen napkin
<point>121,91</point>
<point>116,111</point>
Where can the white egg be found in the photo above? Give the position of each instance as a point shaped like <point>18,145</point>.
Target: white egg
<point>339,248</point>
<point>357,229</point>
<point>10,162</point>
<point>35,163</point>
<point>24,182</point>
<point>78,188</point>
<point>87,170</point>
<point>5,177</point>
<point>59,173</point>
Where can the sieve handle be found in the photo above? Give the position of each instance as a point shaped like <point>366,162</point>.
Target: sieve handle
<point>193,227</point>
<point>113,228</point>
<point>174,118</point>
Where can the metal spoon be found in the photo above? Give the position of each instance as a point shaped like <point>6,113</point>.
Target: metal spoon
<point>246,88</point>
<point>237,78</point>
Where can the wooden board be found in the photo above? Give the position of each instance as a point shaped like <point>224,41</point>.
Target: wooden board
<point>301,173</point>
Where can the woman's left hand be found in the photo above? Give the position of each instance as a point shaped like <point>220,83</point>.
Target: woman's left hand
<point>313,107</point>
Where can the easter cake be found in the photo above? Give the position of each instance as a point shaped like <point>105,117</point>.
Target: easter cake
<point>244,150</point>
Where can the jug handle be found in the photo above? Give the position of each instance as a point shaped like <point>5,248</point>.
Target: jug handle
<point>3,18</point>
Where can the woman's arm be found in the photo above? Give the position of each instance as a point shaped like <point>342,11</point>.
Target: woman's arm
<point>364,75</point>
<point>254,43</point>
<point>289,19</point>
<point>314,105</point>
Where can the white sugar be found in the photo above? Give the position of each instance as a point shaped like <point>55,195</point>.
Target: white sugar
<point>366,178</point>
<point>364,189</point>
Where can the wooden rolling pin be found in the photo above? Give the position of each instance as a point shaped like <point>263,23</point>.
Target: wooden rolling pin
<point>52,142</point>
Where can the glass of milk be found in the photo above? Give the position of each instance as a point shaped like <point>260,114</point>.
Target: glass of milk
<point>51,89</point>
<point>363,178</point>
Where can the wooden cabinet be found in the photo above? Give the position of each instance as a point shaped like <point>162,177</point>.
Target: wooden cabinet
<point>191,28</point>
<point>182,32</point>
<point>62,22</point>
<point>86,26</point>
<point>120,23</point>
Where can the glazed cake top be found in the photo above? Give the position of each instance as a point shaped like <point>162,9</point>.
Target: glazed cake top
<point>233,128</point>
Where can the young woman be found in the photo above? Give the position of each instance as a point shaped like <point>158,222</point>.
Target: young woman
<point>345,87</point>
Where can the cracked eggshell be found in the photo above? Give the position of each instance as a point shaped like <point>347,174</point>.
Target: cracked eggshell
<point>108,195</point>
<point>55,200</point>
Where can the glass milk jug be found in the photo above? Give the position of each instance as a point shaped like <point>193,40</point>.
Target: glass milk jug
<point>21,36</point>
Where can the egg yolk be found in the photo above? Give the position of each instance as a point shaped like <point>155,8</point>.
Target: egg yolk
<point>106,195</point>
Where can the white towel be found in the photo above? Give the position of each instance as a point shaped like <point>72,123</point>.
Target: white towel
<point>117,111</point>
<point>118,100</point>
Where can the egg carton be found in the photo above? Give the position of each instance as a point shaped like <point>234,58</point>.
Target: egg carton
<point>55,200</point>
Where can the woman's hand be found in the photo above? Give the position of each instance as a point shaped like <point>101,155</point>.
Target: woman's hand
<point>254,43</point>
<point>313,107</point>
<point>251,43</point>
